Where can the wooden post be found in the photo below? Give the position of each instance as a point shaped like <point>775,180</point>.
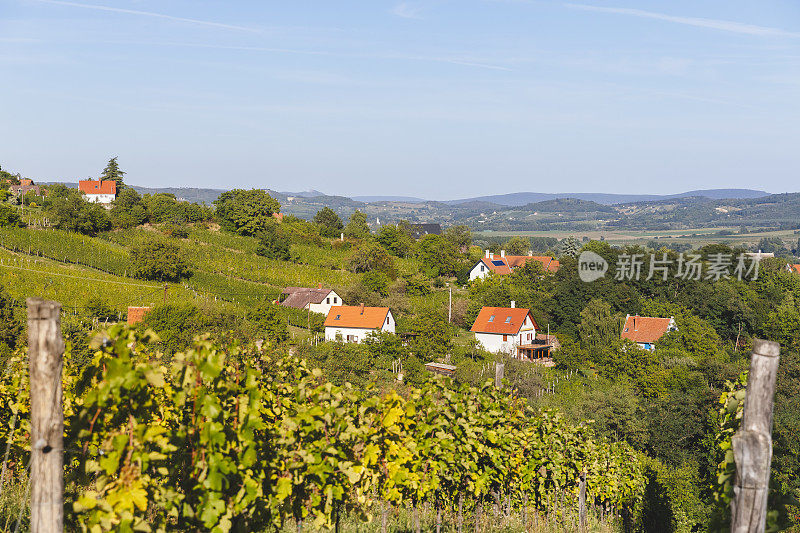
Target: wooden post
<point>752,444</point>
<point>385,517</point>
<point>45,355</point>
<point>582,503</point>
<point>499,369</point>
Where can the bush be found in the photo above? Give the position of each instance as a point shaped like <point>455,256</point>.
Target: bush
<point>376,281</point>
<point>371,256</point>
<point>97,307</point>
<point>273,242</point>
<point>269,322</point>
<point>176,231</point>
<point>329,222</point>
<point>160,261</point>
<point>175,324</point>
<point>9,217</point>
<point>72,213</point>
<point>246,212</point>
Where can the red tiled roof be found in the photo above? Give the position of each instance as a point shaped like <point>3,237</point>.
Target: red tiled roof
<point>645,329</point>
<point>504,320</point>
<point>355,316</point>
<point>136,314</point>
<point>98,186</point>
<point>795,268</point>
<point>504,265</point>
<point>278,216</point>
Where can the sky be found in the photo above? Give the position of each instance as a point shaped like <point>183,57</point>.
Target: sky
<point>433,98</point>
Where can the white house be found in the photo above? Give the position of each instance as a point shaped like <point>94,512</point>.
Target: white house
<point>504,264</point>
<point>98,191</point>
<point>354,322</point>
<point>317,300</point>
<point>504,329</point>
<point>646,330</point>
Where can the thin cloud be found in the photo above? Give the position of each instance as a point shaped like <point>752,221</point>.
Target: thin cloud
<point>149,14</point>
<point>407,11</point>
<point>463,61</point>
<point>723,25</point>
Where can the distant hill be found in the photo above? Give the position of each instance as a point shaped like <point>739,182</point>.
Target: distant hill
<point>519,199</point>
<point>370,199</point>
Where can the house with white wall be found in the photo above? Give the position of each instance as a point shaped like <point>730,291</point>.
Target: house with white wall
<point>353,323</point>
<point>98,191</point>
<point>317,300</point>
<point>504,329</point>
<point>503,264</point>
<point>646,330</point>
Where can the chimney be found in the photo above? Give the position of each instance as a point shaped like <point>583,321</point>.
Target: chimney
<point>502,253</point>
<point>513,304</point>
<point>362,307</point>
<point>491,256</point>
<point>487,254</point>
<point>342,237</point>
<point>530,253</point>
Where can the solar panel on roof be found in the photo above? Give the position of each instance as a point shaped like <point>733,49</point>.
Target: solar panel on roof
<point>498,263</point>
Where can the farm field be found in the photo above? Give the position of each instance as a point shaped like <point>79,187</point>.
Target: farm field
<point>694,236</point>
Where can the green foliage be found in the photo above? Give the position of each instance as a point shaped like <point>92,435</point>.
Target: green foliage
<point>395,240</point>
<point>246,212</point>
<point>439,256</point>
<point>9,217</point>
<point>371,256</point>
<point>270,323</point>
<point>10,326</point>
<point>176,231</point>
<point>71,212</point>
<point>461,237</point>
<point>357,227</point>
<point>329,222</point>
<point>570,246</point>
<point>112,172</point>
<point>159,260</point>
<point>376,281</point>
<point>517,246</point>
<point>97,307</point>
<point>128,210</point>
<point>783,324</point>
<point>598,327</point>
<point>273,242</point>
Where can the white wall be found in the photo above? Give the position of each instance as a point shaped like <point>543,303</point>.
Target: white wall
<point>330,300</point>
<point>477,273</point>
<point>99,198</point>
<point>493,342</point>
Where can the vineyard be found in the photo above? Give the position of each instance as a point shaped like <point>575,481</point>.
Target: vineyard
<point>236,439</point>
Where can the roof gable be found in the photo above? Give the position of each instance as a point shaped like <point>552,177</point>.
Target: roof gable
<point>356,316</point>
<point>645,329</point>
<point>501,320</point>
<point>505,264</point>
<point>299,297</point>
<point>98,186</point>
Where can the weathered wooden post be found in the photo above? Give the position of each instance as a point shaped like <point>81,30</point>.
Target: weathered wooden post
<point>582,503</point>
<point>499,369</point>
<point>45,355</point>
<point>752,444</point>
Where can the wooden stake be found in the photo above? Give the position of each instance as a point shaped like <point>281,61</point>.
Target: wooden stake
<point>582,503</point>
<point>752,444</point>
<point>498,374</point>
<point>45,355</point>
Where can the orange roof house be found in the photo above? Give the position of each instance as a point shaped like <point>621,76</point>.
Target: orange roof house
<point>793,268</point>
<point>355,322</point>
<point>505,264</point>
<point>507,329</point>
<point>646,330</point>
<point>98,191</point>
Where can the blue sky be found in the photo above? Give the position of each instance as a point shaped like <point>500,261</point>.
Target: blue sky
<point>438,99</point>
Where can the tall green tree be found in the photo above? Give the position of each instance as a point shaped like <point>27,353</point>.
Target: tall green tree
<point>518,246</point>
<point>330,223</point>
<point>112,172</point>
<point>72,213</point>
<point>357,227</point>
<point>10,326</point>
<point>246,212</point>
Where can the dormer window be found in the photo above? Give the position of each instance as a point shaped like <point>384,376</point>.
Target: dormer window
<point>338,317</point>
<point>491,318</point>
<point>508,320</point>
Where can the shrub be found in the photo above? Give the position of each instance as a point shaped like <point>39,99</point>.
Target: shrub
<point>269,322</point>
<point>245,212</point>
<point>273,242</point>
<point>329,222</point>
<point>160,261</point>
<point>376,281</point>
<point>9,217</point>
<point>371,256</point>
<point>176,231</point>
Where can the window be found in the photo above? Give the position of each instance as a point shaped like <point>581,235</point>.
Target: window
<point>327,300</point>
<point>508,320</point>
<point>352,338</point>
<point>334,299</point>
<point>491,318</point>
<point>338,317</point>
<point>387,320</point>
<point>505,338</point>
<point>483,268</point>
